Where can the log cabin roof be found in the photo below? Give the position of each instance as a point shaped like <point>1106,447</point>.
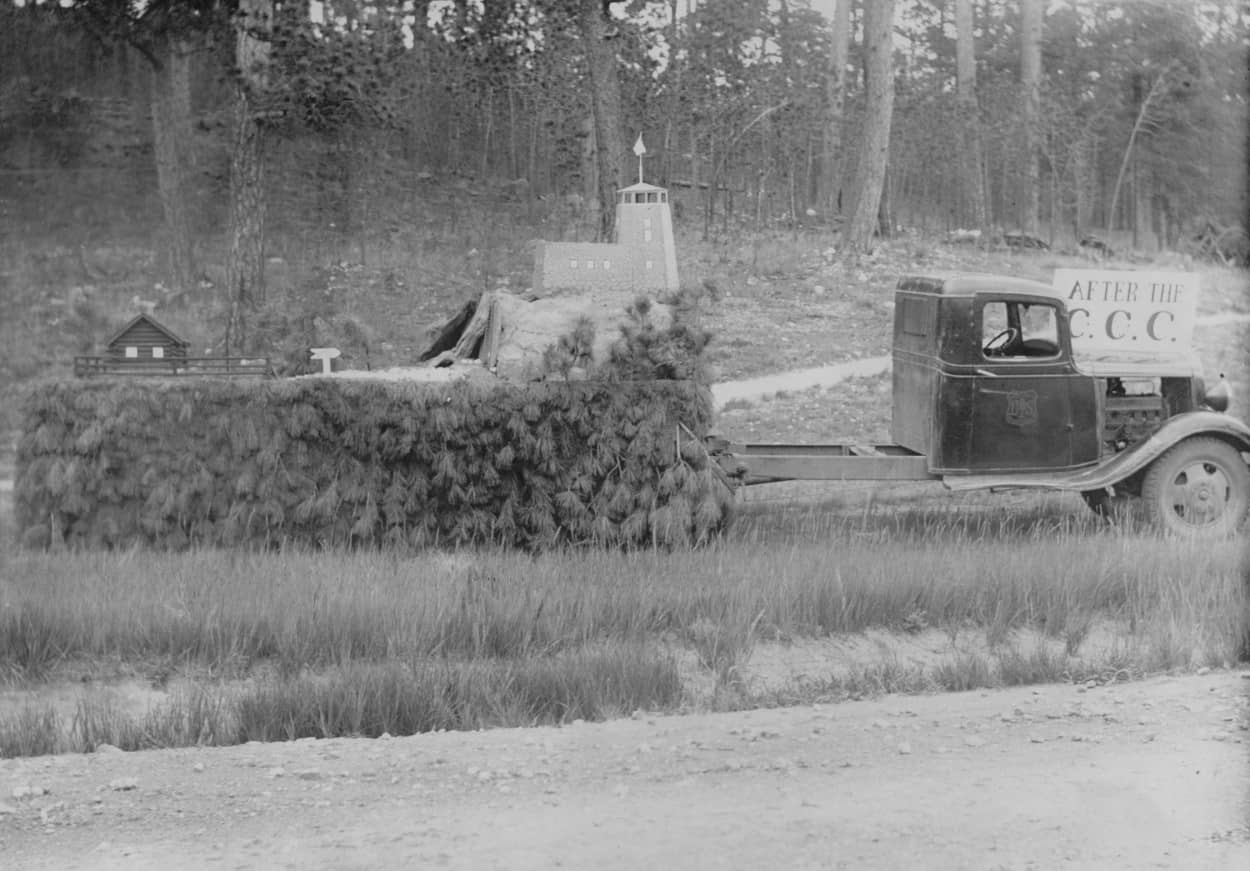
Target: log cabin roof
<point>153,324</point>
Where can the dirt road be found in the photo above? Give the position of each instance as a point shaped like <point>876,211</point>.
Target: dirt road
<point>1154,774</point>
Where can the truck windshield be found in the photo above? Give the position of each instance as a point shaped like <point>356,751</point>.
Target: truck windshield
<point>1018,329</point>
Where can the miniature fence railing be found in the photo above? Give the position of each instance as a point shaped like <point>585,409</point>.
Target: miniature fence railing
<point>173,366</point>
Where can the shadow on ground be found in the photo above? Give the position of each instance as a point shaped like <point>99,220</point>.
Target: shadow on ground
<point>794,512</point>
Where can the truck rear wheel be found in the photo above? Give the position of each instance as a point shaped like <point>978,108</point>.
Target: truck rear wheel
<point>1200,487</point>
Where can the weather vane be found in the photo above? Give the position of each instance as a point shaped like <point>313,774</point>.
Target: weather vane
<point>640,150</point>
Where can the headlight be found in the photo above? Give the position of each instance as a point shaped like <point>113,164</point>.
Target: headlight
<point>1218,397</point>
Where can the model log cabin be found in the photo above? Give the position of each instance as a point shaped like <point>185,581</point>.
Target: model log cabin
<point>144,346</point>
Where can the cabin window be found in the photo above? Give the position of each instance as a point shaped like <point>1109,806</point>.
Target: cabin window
<point>1019,330</point>
<point>607,264</point>
<point>132,351</point>
<point>158,352</point>
<point>590,264</point>
<point>572,263</point>
<point>650,263</point>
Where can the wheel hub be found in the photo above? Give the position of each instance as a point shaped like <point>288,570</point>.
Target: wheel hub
<point>1199,494</point>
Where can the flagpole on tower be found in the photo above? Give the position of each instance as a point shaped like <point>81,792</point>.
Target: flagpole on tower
<point>640,150</point>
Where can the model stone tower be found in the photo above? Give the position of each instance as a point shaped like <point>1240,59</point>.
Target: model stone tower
<point>645,221</point>
<point>643,257</point>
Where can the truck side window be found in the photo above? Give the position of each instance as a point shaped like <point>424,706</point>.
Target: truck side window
<point>1020,330</point>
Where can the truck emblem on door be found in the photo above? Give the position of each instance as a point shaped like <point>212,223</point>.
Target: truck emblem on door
<point>1022,407</point>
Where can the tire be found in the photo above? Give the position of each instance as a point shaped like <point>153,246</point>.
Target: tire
<point>1200,488</point>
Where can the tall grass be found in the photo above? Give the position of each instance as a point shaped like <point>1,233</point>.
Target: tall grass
<point>370,700</point>
<point>226,611</point>
<point>362,700</point>
<point>372,642</point>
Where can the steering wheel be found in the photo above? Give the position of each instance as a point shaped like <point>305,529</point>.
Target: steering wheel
<point>997,346</point>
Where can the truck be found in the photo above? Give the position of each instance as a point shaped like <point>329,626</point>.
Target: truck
<point>988,394</point>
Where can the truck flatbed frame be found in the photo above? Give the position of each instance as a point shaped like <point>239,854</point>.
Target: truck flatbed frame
<point>764,464</point>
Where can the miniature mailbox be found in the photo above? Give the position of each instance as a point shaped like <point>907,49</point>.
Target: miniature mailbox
<point>326,356</point>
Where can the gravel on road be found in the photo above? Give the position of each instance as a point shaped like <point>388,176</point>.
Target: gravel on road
<point>1149,774</point>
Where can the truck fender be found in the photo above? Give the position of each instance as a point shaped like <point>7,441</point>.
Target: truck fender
<point>1123,465</point>
<point>1174,430</point>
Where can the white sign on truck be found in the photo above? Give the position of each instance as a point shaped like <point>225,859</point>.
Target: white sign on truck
<point>1137,312</point>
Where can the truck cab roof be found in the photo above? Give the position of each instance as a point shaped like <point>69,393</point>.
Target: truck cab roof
<point>970,284</point>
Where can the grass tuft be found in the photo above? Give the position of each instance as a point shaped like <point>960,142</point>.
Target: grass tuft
<point>31,731</point>
<point>366,700</point>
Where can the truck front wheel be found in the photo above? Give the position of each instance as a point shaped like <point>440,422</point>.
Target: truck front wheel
<point>1199,487</point>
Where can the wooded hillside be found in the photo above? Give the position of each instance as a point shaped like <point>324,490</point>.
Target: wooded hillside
<point>229,131</point>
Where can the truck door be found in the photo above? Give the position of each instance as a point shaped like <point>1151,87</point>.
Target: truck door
<point>1025,392</point>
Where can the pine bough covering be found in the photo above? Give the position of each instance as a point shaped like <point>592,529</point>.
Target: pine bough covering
<point>344,463</point>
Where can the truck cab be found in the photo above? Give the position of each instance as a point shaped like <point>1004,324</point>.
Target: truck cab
<point>990,394</point>
<point>988,387</point>
<point>985,381</point>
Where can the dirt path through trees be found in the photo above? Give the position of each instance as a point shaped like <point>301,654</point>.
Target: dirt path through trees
<point>1153,774</point>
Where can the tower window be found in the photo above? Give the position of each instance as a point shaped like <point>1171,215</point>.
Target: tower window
<point>652,197</point>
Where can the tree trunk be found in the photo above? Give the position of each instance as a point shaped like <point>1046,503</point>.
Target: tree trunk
<point>874,147</point>
<point>590,169</point>
<point>598,33</point>
<point>1082,185</point>
<point>171,137</point>
<point>245,261</point>
<point>885,207</point>
<point>1157,89</point>
<point>832,162</point>
<point>1031,83</point>
<point>969,116</point>
<point>674,96</point>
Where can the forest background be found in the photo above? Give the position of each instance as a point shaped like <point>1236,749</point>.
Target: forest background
<point>259,171</point>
